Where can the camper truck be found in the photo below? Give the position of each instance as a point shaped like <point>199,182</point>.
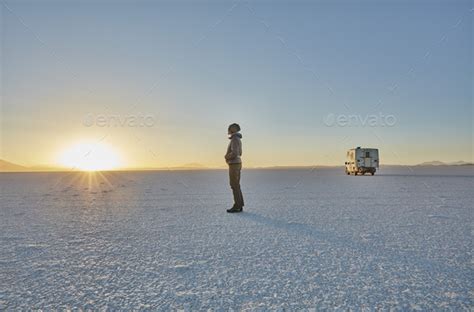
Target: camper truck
<point>362,161</point>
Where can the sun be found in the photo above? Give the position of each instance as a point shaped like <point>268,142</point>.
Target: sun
<point>90,157</point>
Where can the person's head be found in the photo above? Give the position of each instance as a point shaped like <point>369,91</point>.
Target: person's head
<point>233,128</point>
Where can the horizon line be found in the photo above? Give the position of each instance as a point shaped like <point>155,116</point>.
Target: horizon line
<point>177,168</point>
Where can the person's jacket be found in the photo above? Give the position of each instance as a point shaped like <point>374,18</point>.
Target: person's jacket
<point>234,150</point>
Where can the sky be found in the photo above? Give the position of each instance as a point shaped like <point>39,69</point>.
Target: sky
<point>159,82</point>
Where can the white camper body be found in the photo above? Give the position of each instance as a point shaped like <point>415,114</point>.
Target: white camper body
<point>362,160</point>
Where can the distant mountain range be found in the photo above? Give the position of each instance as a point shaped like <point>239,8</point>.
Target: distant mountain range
<point>6,166</point>
<point>440,163</point>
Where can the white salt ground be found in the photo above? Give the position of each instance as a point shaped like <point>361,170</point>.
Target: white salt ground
<point>306,240</point>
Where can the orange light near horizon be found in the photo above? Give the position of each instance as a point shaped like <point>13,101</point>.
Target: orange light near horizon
<point>90,157</point>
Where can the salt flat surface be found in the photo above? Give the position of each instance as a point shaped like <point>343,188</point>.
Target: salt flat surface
<point>307,239</point>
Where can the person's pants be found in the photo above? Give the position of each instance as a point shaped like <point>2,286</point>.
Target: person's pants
<point>234,179</point>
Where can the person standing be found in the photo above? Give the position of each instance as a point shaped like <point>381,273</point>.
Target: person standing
<point>232,157</point>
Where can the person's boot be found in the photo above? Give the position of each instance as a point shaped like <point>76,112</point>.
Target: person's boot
<point>234,209</point>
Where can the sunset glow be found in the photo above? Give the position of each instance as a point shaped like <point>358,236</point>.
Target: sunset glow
<point>90,157</point>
